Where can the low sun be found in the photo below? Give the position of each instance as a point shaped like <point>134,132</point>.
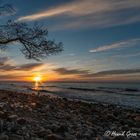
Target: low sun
<point>37,79</point>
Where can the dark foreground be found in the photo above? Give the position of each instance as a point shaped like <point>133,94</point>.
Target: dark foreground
<point>32,117</point>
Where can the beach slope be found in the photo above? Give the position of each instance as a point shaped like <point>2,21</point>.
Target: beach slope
<point>33,117</point>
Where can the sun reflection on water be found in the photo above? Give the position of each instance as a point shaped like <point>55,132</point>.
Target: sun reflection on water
<point>37,80</point>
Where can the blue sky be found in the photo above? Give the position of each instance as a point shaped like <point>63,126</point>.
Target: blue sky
<point>98,35</point>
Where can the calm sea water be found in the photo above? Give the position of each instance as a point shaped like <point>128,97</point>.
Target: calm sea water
<point>124,94</point>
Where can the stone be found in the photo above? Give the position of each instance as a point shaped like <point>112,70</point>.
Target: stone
<point>16,137</point>
<point>136,130</point>
<point>47,107</point>
<point>62,128</point>
<point>42,133</point>
<point>89,134</point>
<point>119,138</point>
<point>48,131</point>
<point>55,127</point>
<point>21,121</point>
<point>4,137</point>
<point>69,136</point>
<point>130,123</point>
<point>137,118</point>
<point>3,115</point>
<point>2,104</point>
<point>93,138</point>
<point>54,137</point>
<point>33,104</point>
<point>12,117</point>
<point>79,134</point>
<point>99,138</point>
<point>33,138</point>
<point>111,117</point>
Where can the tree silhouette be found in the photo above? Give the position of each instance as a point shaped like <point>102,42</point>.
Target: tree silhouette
<point>34,40</point>
<point>6,9</point>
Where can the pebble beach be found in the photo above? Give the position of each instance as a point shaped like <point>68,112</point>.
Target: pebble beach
<point>43,117</point>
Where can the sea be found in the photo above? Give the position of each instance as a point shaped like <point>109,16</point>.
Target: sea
<point>120,94</point>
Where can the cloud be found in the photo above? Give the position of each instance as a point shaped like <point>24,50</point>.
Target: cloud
<point>128,43</point>
<point>29,66</point>
<point>8,76</point>
<point>127,55</point>
<point>90,13</point>
<point>66,71</point>
<point>6,65</point>
<point>114,72</point>
<point>71,54</point>
<point>3,60</point>
<point>87,73</point>
<point>127,75</point>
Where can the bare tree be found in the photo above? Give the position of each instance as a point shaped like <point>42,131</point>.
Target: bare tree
<point>6,9</point>
<point>34,40</point>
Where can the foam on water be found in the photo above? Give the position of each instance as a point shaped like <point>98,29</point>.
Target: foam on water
<point>124,94</point>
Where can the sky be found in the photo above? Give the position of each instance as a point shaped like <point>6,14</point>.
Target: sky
<point>101,40</point>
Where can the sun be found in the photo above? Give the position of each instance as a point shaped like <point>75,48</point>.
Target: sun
<point>37,78</point>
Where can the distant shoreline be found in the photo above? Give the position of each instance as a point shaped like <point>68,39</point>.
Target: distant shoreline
<point>109,82</point>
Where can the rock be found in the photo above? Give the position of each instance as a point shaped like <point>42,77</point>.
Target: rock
<point>4,137</point>
<point>65,99</point>
<point>136,130</point>
<point>33,104</point>
<point>48,131</point>
<point>3,115</point>
<point>12,117</point>
<point>55,127</point>
<point>111,117</point>
<point>16,137</point>
<point>137,124</point>
<point>88,134</point>
<point>42,133</point>
<point>130,123</point>
<point>79,134</point>
<point>125,128</point>
<point>47,107</point>
<point>119,138</point>
<point>2,104</point>
<point>62,128</point>
<point>137,118</point>
<point>69,136</point>
<point>54,137</point>
<point>93,138</point>
<point>21,121</point>
<point>12,127</point>
<point>33,138</point>
<point>99,138</point>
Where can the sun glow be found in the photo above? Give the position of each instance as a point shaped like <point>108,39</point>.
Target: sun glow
<point>37,78</point>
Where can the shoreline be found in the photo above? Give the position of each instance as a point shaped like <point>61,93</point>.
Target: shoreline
<point>46,92</point>
<point>90,101</point>
<point>33,117</point>
<point>118,95</point>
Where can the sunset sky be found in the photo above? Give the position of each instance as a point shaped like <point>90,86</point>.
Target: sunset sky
<point>101,40</point>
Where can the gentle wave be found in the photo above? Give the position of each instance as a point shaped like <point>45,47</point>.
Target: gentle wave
<point>110,90</point>
<point>120,94</point>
